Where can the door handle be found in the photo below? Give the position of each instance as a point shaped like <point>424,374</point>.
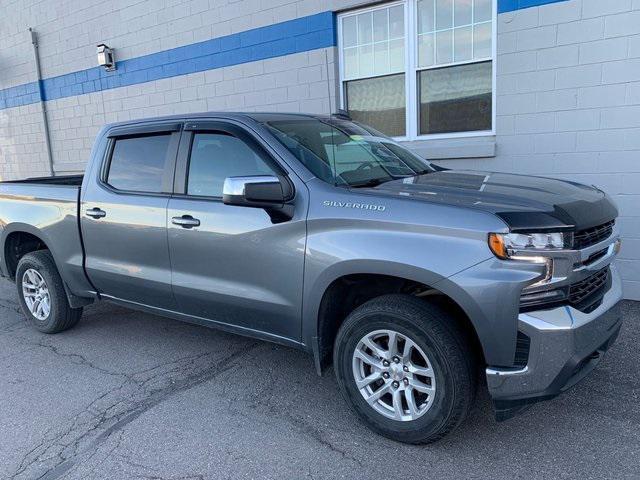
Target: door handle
<point>186,221</point>
<point>95,212</point>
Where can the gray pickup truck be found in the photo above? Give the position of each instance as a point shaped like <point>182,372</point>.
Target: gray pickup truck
<point>414,281</point>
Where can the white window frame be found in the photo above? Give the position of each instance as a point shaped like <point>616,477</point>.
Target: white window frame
<point>411,70</point>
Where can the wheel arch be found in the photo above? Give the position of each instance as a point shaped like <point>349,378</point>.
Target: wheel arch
<point>19,239</point>
<point>343,288</point>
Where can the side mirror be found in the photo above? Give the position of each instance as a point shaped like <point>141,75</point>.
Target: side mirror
<point>268,192</point>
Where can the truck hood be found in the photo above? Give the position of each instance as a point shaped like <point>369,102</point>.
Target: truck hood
<point>522,202</point>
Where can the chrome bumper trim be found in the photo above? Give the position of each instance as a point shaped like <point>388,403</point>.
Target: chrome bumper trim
<point>561,338</point>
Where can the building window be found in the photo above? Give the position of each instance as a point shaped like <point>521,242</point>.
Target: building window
<point>379,102</point>
<point>373,52</point>
<point>419,68</point>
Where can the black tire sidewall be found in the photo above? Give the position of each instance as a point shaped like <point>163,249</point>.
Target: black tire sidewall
<point>43,263</point>
<point>432,424</point>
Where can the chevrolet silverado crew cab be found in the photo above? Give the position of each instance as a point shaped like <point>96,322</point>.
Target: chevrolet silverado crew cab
<point>316,232</point>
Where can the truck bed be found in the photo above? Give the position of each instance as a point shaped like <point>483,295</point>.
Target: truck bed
<point>47,208</point>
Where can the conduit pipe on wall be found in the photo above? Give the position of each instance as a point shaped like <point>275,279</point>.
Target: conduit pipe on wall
<point>43,107</point>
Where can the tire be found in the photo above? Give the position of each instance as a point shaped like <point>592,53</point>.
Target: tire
<point>60,315</point>
<point>434,334</point>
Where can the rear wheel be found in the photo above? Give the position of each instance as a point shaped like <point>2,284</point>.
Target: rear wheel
<point>405,368</point>
<point>42,295</point>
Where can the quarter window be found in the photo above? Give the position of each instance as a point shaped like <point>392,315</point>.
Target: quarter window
<point>217,156</point>
<point>415,68</point>
<point>138,163</point>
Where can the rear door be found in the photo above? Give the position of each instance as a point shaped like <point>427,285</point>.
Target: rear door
<point>233,265</point>
<point>124,215</point>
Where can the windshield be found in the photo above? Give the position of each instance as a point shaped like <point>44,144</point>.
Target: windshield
<point>347,153</point>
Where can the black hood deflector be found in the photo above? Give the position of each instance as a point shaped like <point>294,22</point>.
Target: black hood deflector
<point>523,202</point>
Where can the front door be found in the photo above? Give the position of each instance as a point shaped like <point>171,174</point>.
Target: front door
<point>124,216</point>
<point>233,264</point>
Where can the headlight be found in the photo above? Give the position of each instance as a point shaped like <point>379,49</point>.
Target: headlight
<point>512,245</point>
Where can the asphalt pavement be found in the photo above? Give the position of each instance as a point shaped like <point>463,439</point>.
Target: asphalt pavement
<point>127,395</point>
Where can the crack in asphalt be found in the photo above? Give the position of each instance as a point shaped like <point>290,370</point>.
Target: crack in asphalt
<point>265,398</point>
<point>111,451</point>
<point>109,413</point>
<point>317,435</point>
<point>156,477</point>
<point>10,305</point>
<point>79,359</point>
<point>271,410</point>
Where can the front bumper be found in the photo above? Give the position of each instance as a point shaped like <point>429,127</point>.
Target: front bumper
<point>566,344</point>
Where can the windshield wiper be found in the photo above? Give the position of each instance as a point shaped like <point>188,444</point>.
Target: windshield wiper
<point>424,171</point>
<point>374,182</point>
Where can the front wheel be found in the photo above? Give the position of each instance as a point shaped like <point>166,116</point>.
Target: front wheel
<point>42,295</point>
<point>405,368</point>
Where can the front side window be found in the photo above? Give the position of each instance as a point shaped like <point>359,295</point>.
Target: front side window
<point>439,81</point>
<point>138,163</point>
<point>347,153</point>
<point>217,156</point>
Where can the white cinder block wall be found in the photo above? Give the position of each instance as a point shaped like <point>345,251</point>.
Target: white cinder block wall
<point>568,104</point>
<point>22,147</point>
<point>568,86</point>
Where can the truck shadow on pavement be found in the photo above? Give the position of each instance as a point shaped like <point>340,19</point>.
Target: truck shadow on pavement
<point>131,395</point>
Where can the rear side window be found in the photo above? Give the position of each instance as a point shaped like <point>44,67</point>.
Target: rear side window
<point>217,156</point>
<point>138,163</point>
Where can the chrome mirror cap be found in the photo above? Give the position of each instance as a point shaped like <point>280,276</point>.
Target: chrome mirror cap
<point>236,186</point>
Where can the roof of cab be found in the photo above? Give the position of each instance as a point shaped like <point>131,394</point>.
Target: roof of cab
<point>257,116</point>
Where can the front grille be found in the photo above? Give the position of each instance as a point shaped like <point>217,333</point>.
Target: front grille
<point>590,236</point>
<point>587,294</point>
<point>594,257</point>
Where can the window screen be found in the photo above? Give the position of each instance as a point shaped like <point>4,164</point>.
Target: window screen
<point>138,163</point>
<point>217,156</point>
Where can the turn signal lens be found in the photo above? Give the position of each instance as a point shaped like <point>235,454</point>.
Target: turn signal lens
<point>497,245</point>
<point>617,246</point>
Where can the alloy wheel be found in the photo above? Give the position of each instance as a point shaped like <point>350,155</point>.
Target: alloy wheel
<point>36,294</point>
<point>394,375</point>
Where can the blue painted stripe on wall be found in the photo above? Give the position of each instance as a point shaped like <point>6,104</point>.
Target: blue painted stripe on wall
<point>511,5</point>
<point>285,38</point>
<point>294,36</point>
<point>19,95</point>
